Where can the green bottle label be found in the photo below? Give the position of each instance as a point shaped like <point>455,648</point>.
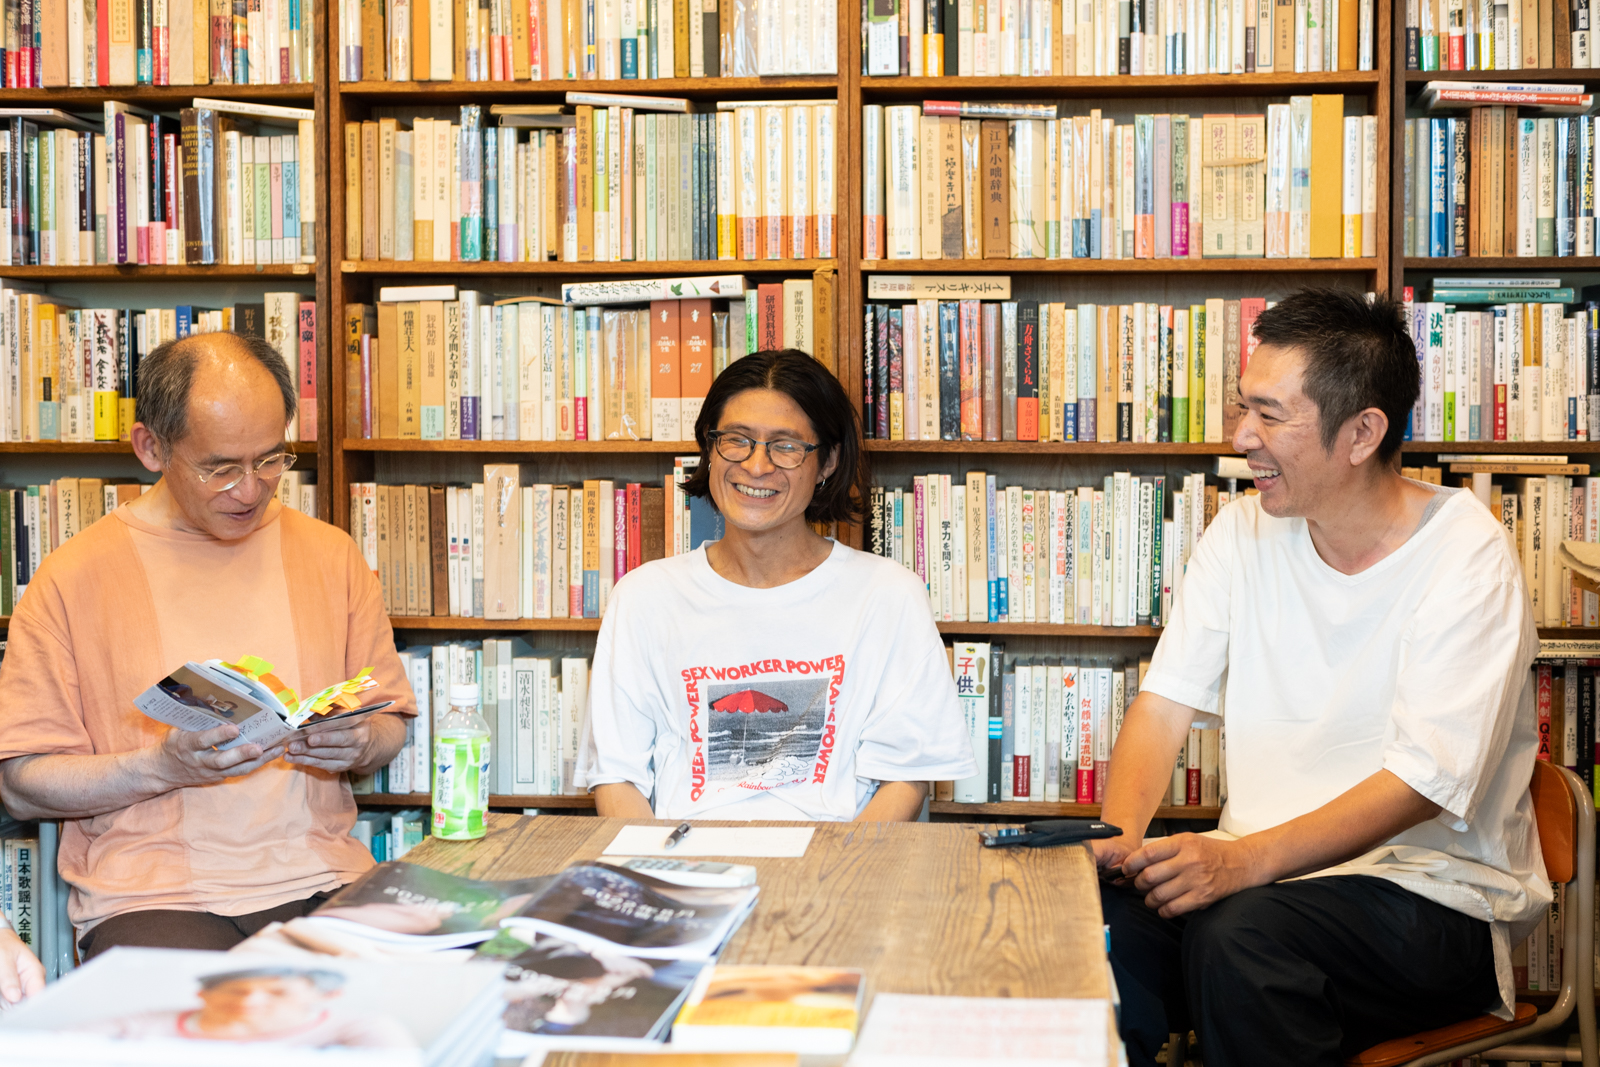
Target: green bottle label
<point>460,787</point>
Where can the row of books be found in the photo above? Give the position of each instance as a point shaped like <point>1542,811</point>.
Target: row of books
<point>1043,729</point>
<point>543,40</point>
<point>543,551</point>
<point>203,188</point>
<point>533,701</point>
<point>390,835</point>
<point>1510,372</point>
<point>1101,554</point>
<point>606,184</point>
<point>71,374</point>
<point>986,38</point>
<point>958,180</point>
<point>1024,370</point>
<point>460,365</point>
<point>1540,511</point>
<point>21,883</point>
<point>36,519</point>
<point>1564,704</point>
<point>1496,182</point>
<point>56,43</point>
<point>1483,35</point>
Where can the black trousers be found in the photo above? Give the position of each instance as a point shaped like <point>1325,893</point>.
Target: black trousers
<point>159,928</point>
<point>1301,974</point>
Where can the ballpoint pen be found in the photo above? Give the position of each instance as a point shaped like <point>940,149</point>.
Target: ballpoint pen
<point>677,835</point>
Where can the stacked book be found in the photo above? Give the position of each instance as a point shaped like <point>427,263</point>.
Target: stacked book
<point>1022,370</point>
<point>1043,729</point>
<point>621,178</point>
<point>453,40</point>
<point>1502,360</point>
<point>190,42</point>
<point>36,519</point>
<point>985,38</point>
<point>1542,501</point>
<point>980,180</point>
<point>1501,179</point>
<point>1103,554</point>
<point>553,551</point>
<point>1520,35</point>
<point>71,374</point>
<point>218,184</point>
<point>389,835</point>
<point>625,360</point>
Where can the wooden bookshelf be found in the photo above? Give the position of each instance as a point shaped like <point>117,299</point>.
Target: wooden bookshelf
<point>360,444</point>
<point>565,271</point>
<point>423,800</point>
<point>1023,809</point>
<point>109,448</point>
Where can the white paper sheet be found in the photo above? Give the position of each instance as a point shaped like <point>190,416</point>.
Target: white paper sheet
<point>718,841</point>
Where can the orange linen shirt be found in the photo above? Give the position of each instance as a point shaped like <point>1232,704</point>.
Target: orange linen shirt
<point>117,608</point>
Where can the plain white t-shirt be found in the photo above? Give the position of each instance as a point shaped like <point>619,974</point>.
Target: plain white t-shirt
<point>1418,665</point>
<point>716,699</point>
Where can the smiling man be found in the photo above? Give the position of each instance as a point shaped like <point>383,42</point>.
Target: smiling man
<point>167,841</point>
<point>1366,642</point>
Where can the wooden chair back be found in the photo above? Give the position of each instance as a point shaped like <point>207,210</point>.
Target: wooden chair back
<point>1555,811</point>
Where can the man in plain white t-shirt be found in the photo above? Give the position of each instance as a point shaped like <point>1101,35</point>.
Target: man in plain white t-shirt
<point>1365,641</point>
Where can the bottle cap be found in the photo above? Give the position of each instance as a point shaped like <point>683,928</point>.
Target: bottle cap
<point>464,693</point>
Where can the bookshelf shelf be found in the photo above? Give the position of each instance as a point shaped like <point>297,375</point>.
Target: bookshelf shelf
<point>423,800</point>
<point>556,91</point>
<point>1102,448</point>
<point>1113,266</point>
<point>1016,88</point>
<point>358,444</point>
<point>110,448</point>
<point>1535,74</point>
<point>129,272</point>
<point>1058,809</point>
<point>1439,263</point>
<point>1046,629</point>
<point>163,97</point>
<point>456,622</point>
<point>567,271</point>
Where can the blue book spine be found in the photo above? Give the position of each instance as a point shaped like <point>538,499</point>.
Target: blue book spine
<point>184,316</point>
<point>1094,233</point>
<point>591,594</point>
<point>1438,188</point>
<point>1086,390</point>
<point>470,145</point>
<point>630,57</point>
<point>491,195</point>
<point>1080,238</point>
<point>993,545</point>
<point>291,201</point>
<point>1069,420</point>
<point>949,371</point>
<point>469,418</point>
<point>1008,736</point>
<point>1566,225</point>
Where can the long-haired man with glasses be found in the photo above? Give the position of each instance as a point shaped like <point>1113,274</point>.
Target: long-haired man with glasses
<point>773,673</point>
<point>166,840</point>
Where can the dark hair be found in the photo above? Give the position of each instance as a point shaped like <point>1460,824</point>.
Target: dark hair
<point>1358,355</point>
<point>166,377</point>
<point>823,400</point>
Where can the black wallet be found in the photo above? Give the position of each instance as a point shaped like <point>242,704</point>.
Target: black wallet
<point>1048,832</point>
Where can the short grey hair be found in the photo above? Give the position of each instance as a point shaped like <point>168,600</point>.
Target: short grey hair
<point>166,377</point>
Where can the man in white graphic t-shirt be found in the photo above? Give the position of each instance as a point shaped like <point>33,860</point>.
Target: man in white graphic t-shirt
<point>1365,641</point>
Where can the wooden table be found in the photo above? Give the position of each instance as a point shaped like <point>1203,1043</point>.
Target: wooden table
<point>919,906</point>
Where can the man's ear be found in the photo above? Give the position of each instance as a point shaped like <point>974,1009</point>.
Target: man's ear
<point>1365,432</point>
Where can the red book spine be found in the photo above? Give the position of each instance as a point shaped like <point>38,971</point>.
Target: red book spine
<point>308,370</point>
<point>769,316</point>
<point>1542,699</point>
<point>619,533</point>
<point>1193,782</point>
<point>580,418</point>
<point>1022,775</point>
<point>366,385</point>
<point>968,345</point>
<point>635,526</point>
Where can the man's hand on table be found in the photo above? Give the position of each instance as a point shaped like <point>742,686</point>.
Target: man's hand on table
<point>21,973</point>
<point>1187,872</point>
<point>194,758</point>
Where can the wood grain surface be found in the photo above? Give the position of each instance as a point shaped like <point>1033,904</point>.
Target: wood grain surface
<point>920,907</point>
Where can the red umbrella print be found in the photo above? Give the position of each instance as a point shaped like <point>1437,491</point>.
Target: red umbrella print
<point>749,700</point>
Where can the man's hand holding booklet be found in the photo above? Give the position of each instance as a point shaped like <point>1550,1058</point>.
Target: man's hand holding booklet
<point>201,696</point>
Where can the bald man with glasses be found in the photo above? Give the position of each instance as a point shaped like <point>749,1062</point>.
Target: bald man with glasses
<point>167,841</point>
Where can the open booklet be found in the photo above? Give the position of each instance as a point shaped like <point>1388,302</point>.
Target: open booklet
<point>201,696</point>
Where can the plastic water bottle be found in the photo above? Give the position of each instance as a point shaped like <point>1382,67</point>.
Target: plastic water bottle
<point>461,768</point>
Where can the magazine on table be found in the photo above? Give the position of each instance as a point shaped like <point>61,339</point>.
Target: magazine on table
<point>772,1008</point>
<point>179,1007</point>
<point>202,696</point>
<point>560,995</point>
<point>593,905</point>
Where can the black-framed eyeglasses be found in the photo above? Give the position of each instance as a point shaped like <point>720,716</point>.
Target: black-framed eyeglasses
<point>221,479</point>
<point>736,448</point>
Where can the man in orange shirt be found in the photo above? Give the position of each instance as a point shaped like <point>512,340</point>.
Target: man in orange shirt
<point>167,841</point>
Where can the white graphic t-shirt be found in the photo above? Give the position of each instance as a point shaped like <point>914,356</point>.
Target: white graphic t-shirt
<point>785,703</point>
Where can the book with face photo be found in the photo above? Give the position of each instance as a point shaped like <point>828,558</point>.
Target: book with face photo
<point>405,903</point>
<point>560,995</point>
<point>176,1007</point>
